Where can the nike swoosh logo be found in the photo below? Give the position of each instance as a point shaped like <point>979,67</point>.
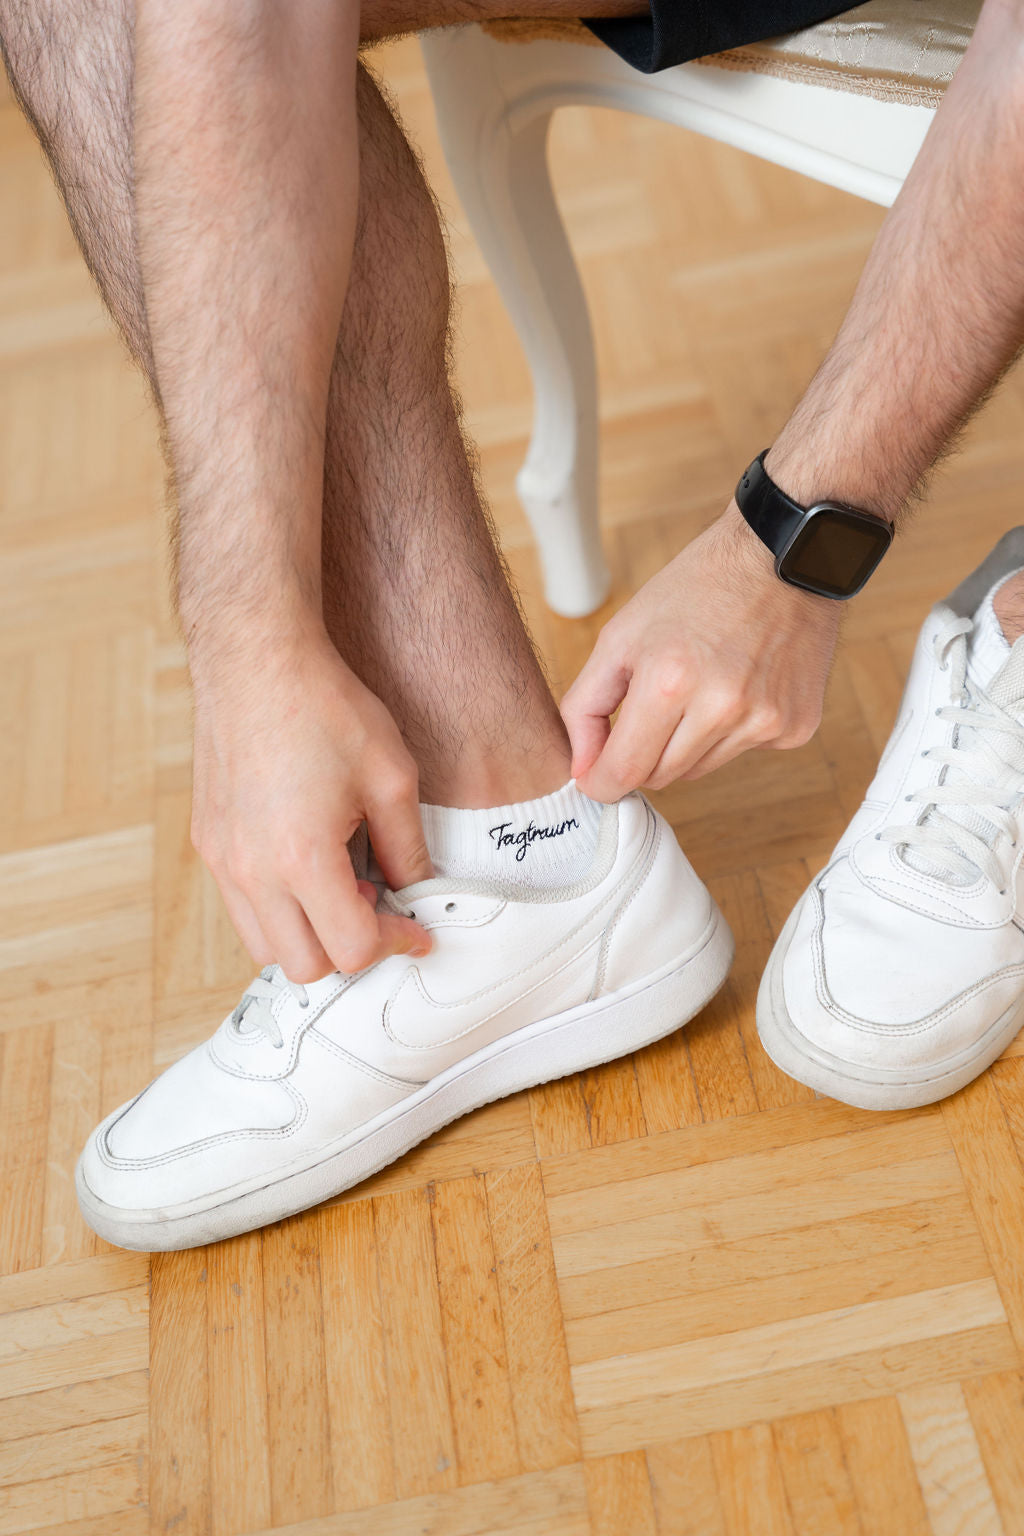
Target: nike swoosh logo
<point>416,1020</point>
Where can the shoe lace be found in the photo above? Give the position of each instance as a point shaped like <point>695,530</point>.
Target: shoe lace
<point>951,845</point>
<point>255,1010</point>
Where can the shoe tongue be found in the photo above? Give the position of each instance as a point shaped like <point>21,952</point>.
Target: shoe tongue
<point>1007,687</point>
<point>1006,690</point>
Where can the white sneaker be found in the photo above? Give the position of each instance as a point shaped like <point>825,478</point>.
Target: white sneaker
<point>899,976</point>
<point>304,1091</point>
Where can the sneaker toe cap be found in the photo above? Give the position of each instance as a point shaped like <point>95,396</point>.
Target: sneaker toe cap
<point>883,987</point>
<point>195,1129</point>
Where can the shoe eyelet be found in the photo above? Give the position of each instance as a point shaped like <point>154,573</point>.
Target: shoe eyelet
<point>878,837</point>
<point>449,906</point>
<point>412,914</point>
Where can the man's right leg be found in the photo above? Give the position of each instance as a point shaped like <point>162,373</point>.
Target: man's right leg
<point>416,597</point>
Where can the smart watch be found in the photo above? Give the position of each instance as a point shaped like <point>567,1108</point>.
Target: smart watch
<point>827,548</point>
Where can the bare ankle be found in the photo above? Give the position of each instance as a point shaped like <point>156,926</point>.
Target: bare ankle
<point>483,778</point>
<point>1008,604</point>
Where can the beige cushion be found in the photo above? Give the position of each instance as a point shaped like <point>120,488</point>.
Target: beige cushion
<point>896,50</point>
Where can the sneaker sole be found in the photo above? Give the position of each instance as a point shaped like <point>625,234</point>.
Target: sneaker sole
<point>867,1087</point>
<point>581,1038</point>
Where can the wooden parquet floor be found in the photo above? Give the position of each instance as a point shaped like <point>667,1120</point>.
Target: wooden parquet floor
<point>679,1296</point>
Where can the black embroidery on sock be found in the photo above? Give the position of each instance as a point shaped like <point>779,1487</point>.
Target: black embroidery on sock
<point>520,841</point>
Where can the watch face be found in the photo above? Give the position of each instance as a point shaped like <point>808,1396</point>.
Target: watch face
<point>834,551</point>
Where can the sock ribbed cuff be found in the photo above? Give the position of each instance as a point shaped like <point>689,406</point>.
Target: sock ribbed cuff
<point>542,843</point>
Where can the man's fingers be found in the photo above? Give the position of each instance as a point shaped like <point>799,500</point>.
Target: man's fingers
<point>638,738</point>
<point>342,913</point>
<point>246,924</point>
<point>587,707</point>
<point>690,755</point>
<point>292,937</point>
<point>396,835</point>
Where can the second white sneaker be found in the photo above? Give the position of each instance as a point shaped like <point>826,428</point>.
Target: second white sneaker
<point>304,1091</point>
<point>900,974</point>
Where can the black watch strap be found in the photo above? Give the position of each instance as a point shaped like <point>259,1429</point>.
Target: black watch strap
<point>772,514</point>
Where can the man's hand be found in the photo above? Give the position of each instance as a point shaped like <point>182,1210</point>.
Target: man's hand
<point>714,655</point>
<point>287,764</point>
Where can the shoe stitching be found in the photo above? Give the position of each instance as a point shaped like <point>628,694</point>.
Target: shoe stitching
<point>111,1160</point>
<point>827,1001</point>
<point>463,922</point>
<point>310,1017</point>
<point>364,1066</point>
<point>602,963</point>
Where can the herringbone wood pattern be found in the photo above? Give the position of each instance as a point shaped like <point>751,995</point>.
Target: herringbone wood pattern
<point>679,1296</point>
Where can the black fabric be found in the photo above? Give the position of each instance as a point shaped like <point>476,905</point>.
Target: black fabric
<point>679,30</point>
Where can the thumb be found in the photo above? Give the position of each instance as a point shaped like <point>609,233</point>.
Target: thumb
<point>398,840</point>
<point>587,709</point>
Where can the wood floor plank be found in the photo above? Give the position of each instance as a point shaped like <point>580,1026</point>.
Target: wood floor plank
<point>236,1352</point>
<point>357,1389</point>
<point>668,1092</point>
<point>750,1352</point>
<point>25,1070</point>
<point>560,1120</point>
<point>619,1495</point>
<point>70,1321</point>
<point>614,1109</point>
<point>750,1484</point>
<point>180,1394</point>
<point>791,1126</point>
<point>731,1404</point>
<point>76,1403</point>
<point>818,1487</point>
<point>298,1421</point>
<point>112,1270</point>
<point>685,1489</point>
<point>881,1468</point>
<point>745,1215</point>
<point>770,1171</point>
<point>551,1503</point>
<point>994,1178</point>
<point>479,1385</point>
<point>546,1430</point>
<point>996,1407</point>
<point>422,1433</point>
<point>62,1501</point>
<point>653,1324</point>
<point>949,1465</point>
<point>75,1087</point>
<point>44,1457</point>
<point>860,1239</point>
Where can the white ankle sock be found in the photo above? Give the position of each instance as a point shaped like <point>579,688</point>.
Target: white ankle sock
<point>541,843</point>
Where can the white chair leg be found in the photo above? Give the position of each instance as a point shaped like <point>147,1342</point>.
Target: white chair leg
<point>496,151</point>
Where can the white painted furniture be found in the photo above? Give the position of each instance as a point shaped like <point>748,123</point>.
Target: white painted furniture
<point>494,100</point>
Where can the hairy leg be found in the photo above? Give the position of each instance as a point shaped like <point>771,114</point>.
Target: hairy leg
<point>416,596</point>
